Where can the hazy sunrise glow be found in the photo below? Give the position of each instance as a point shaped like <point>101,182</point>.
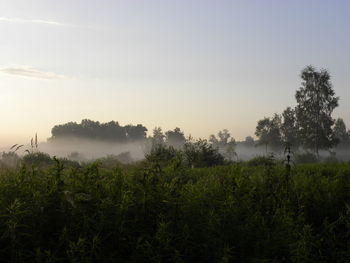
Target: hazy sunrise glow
<point>199,65</point>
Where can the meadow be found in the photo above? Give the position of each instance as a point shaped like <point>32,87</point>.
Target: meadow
<point>152,211</point>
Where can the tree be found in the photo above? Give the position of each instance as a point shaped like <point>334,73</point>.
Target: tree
<point>268,132</point>
<point>289,129</point>
<point>341,134</point>
<point>158,137</point>
<point>262,132</point>
<point>225,144</point>
<point>249,141</point>
<point>315,103</point>
<point>135,133</point>
<point>201,154</point>
<point>109,131</point>
<point>175,138</point>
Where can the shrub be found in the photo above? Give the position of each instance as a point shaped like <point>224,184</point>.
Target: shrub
<point>162,153</point>
<point>37,159</point>
<point>261,161</point>
<point>305,158</point>
<point>10,159</point>
<point>228,213</point>
<point>201,154</point>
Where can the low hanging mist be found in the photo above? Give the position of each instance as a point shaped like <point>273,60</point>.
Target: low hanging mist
<point>308,130</point>
<point>89,140</point>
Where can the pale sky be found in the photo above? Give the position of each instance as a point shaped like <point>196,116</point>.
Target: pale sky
<point>195,64</point>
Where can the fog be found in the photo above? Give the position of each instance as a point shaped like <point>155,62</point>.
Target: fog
<point>86,150</point>
<point>92,149</point>
<point>245,153</point>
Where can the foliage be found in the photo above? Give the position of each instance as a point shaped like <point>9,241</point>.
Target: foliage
<point>201,154</point>
<point>341,134</point>
<point>138,213</point>
<point>76,156</point>
<point>110,161</point>
<point>225,144</point>
<point>310,124</point>
<point>268,132</point>
<point>197,153</point>
<point>37,159</point>
<point>306,157</point>
<point>10,159</point>
<point>257,161</point>
<point>289,128</point>
<point>315,103</point>
<point>88,129</point>
<point>331,158</point>
<point>175,138</point>
<point>249,142</point>
<point>158,138</point>
<point>162,154</point>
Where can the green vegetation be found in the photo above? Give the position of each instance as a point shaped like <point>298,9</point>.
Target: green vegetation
<point>162,210</point>
<point>94,130</point>
<point>310,124</point>
<point>188,200</point>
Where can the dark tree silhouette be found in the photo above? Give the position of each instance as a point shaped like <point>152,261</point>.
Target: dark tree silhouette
<point>88,129</point>
<point>249,141</point>
<point>135,133</point>
<point>268,132</point>
<point>201,154</point>
<point>341,134</point>
<point>175,138</point>
<point>225,144</point>
<point>289,129</point>
<point>158,138</point>
<point>315,103</point>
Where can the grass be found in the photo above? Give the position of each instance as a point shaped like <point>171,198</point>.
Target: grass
<point>146,212</point>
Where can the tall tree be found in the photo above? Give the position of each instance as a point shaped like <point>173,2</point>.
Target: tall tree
<point>315,103</point>
<point>341,134</point>
<point>135,133</point>
<point>289,129</point>
<point>249,141</point>
<point>225,144</point>
<point>109,131</point>
<point>268,132</point>
<point>175,138</point>
<point>158,137</point>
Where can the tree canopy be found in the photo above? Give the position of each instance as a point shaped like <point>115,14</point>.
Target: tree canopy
<point>269,133</point>
<point>225,144</point>
<point>316,101</point>
<point>310,123</point>
<point>109,131</point>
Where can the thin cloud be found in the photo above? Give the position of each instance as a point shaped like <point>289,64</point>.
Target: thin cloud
<point>25,71</point>
<point>34,21</point>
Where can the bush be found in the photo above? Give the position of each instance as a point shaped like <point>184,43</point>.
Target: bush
<point>305,158</point>
<point>261,161</point>
<point>201,154</point>
<point>111,161</point>
<point>10,159</point>
<point>330,159</point>
<point>162,154</point>
<point>76,156</point>
<point>229,213</point>
<point>37,159</point>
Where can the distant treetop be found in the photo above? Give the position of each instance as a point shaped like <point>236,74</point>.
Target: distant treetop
<point>109,131</point>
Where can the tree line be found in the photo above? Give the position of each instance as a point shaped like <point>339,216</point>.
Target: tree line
<point>309,124</point>
<point>94,130</point>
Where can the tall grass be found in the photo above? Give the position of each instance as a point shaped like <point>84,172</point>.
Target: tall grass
<point>171,213</point>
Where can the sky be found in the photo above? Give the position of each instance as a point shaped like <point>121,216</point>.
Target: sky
<point>199,65</point>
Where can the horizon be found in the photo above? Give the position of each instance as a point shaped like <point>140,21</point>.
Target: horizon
<point>197,65</point>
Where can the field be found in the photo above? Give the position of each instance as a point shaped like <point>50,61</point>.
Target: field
<point>151,212</point>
